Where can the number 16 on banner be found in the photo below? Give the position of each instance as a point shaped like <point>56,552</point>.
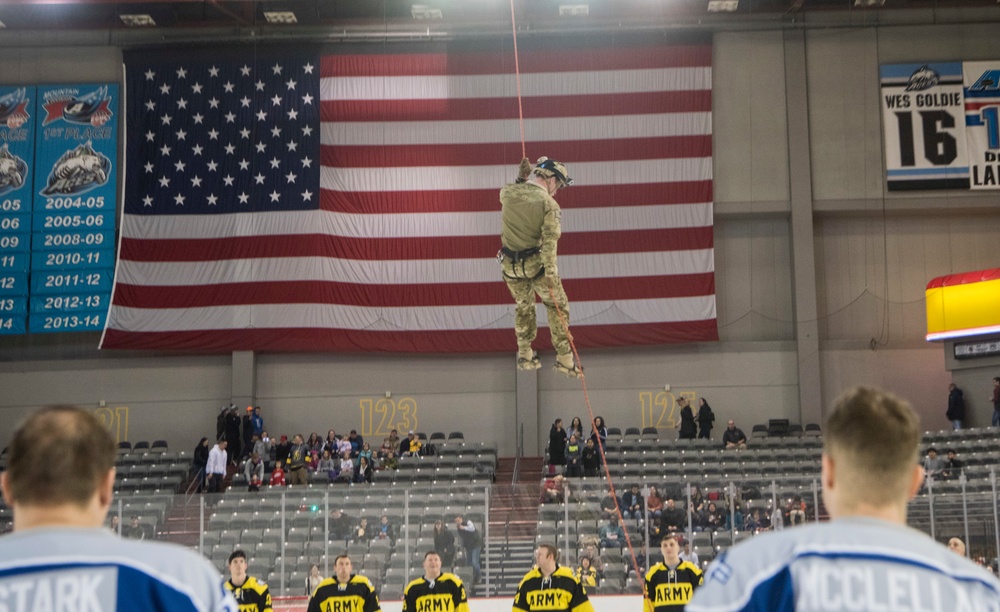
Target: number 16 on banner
<point>982,119</point>
<point>924,122</point>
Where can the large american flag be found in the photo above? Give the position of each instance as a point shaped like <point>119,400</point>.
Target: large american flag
<point>349,202</point>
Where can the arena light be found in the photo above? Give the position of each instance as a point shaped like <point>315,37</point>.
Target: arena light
<point>723,6</point>
<point>137,20</point>
<point>574,10</point>
<point>280,17</point>
<point>422,11</point>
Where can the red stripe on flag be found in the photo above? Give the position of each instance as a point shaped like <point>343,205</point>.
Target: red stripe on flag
<point>380,249</point>
<point>457,109</point>
<point>388,296</point>
<point>438,341</point>
<point>488,200</point>
<point>500,63</point>
<point>489,153</point>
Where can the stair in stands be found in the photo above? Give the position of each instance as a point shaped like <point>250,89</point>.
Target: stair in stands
<point>514,507</point>
<point>509,561</point>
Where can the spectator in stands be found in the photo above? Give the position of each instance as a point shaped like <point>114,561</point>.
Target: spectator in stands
<point>116,525</point>
<point>557,447</point>
<point>346,467</point>
<point>313,579</point>
<point>611,533</point>
<point>254,468</point>
<point>258,422</point>
<point>330,443</point>
<point>199,462</point>
<point>689,555</point>
<point>386,448</point>
<point>654,504</point>
<point>575,427</point>
<point>340,525</point>
<point>298,459</point>
<point>996,401</point>
<point>632,503</point>
<point>444,543</point>
<point>315,445</point>
<point>733,438</point>
<point>135,530</point>
<point>706,419</point>
<point>247,427</point>
<point>220,422</point>
<point>384,530</point>
<point>553,490</point>
<point>933,465</point>
<point>268,454</point>
<point>344,446</point>
<point>473,544</point>
<point>365,471</point>
<point>609,506</point>
<point>278,476</point>
<point>390,462</point>
<point>957,546</point>
<point>327,465</point>
<point>697,499</point>
<point>282,450</point>
<point>394,438</point>
<point>688,427</point>
<point>952,465</point>
<point>756,522</point>
<point>796,511</point>
<point>233,436</point>
<point>586,573</point>
<point>956,407</point>
<point>366,452</point>
<point>362,532</point>
<point>216,466</point>
<point>715,518</point>
<point>673,519</point>
<point>735,520</point>
<point>574,457</point>
<point>599,433</point>
<point>412,445</point>
<point>253,485</point>
<point>259,447</point>
<point>591,458</point>
<point>357,442</point>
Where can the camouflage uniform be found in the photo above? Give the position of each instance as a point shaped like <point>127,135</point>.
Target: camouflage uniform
<point>531,219</point>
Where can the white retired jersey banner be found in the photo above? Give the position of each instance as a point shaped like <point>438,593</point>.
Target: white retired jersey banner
<point>922,108</point>
<point>982,120</point>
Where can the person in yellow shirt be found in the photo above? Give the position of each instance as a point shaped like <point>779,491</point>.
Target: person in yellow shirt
<point>437,591</point>
<point>251,594</point>
<point>670,584</point>
<point>550,586</point>
<point>587,573</point>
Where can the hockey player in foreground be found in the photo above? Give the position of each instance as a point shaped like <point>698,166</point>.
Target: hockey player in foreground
<point>865,558</point>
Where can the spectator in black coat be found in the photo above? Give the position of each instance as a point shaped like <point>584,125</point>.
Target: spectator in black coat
<point>233,436</point>
<point>673,519</point>
<point>444,543</point>
<point>706,419</point>
<point>956,406</point>
<point>557,447</point>
<point>687,425</point>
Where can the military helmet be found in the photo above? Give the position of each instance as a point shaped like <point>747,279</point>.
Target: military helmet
<point>548,168</point>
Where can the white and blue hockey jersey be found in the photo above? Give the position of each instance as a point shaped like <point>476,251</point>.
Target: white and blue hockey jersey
<point>850,564</point>
<point>92,570</point>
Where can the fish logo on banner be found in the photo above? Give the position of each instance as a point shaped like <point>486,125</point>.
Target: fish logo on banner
<point>78,170</point>
<point>93,108</point>
<point>14,109</point>
<point>923,78</point>
<point>13,170</point>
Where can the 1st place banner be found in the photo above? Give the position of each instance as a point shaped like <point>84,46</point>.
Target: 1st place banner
<point>924,120</point>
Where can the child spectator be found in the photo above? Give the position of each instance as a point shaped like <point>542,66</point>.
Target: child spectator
<point>384,530</point>
<point>591,458</point>
<point>574,457</point>
<point>278,476</point>
<point>346,467</point>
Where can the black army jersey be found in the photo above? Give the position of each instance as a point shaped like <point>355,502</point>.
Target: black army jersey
<point>355,595</point>
<point>559,592</point>
<point>252,595</point>
<point>446,594</point>
<point>671,589</point>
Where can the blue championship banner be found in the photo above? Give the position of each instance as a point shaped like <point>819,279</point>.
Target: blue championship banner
<point>982,120</point>
<point>73,221</point>
<point>17,152</point>
<point>924,123</point>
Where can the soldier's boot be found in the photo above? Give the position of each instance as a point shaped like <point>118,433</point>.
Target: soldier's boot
<point>527,359</point>
<point>564,365</point>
